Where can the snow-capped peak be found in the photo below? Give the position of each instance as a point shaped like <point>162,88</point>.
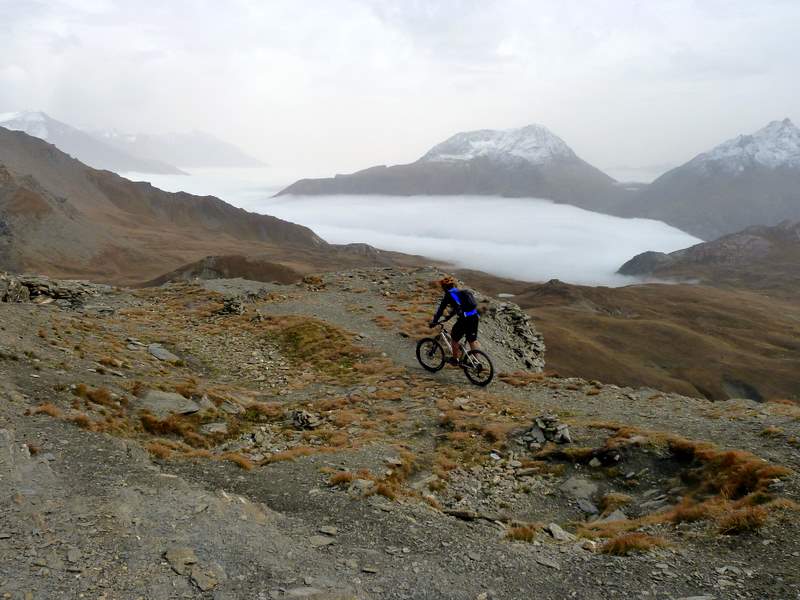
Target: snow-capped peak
<point>31,122</point>
<point>533,144</point>
<point>776,145</point>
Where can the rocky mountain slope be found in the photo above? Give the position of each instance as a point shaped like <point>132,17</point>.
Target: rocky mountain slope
<point>526,162</point>
<point>81,145</point>
<point>191,149</point>
<point>155,443</point>
<point>703,341</point>
<point>60,217</point>
<point>749,180</point>
<point>761,258</point>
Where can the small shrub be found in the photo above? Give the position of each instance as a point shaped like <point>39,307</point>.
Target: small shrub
<point>628,543</point>
<point>612,501</point>
<point>47,409</point>
<point>341,478</point>
<point>158,450</point>
<point>743,520</point>
<point>523,533</point>
<point>238,459</point>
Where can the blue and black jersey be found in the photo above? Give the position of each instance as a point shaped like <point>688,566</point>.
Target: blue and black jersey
<point>461,301</point>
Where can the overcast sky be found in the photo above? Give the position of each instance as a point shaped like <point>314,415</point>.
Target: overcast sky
<point>334,85</point>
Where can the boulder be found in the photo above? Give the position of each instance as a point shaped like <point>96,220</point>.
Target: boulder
<point>163,404</point>
<point>578,487</point>
<point>162,353</point>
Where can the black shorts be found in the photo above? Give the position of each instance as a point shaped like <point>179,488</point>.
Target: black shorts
<point>466,326</point>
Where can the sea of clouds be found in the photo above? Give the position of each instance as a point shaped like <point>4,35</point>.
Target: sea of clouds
<point>522,238</point>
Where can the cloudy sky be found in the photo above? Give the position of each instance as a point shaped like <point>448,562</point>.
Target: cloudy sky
<point>330,86</point>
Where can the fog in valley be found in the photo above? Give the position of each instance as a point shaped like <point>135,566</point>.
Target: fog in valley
<point>523,238</point>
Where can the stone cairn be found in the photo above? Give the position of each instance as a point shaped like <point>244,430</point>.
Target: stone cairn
<point>545,428</point>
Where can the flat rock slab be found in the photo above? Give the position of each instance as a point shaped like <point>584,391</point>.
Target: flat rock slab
<point>163,404</point>
<point>212,428</point>
<point>579,487</point>
<point>180,559</point>
<point>162,353</point>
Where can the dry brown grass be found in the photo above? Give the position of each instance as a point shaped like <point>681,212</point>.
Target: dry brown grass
<point>100,395</point>
<point>743,520</point>
<point>524,532</point>
<point>158,450</point>
<point>48,409</point>
<point>239,460</point>
<point>326,348</point>
<point>81,420</point>
<point>342,478</point>
<point>629,543</point>
<point>772,431</point>
<point>521,378</point>
<point>612,501</point>
<point>292,454</point>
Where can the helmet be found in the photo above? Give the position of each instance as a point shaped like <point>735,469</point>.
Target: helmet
<point>447,282</point>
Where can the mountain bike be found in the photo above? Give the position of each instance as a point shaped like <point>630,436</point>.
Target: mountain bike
<point>432,353</point>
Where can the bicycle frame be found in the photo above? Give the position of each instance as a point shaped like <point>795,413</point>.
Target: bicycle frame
<point>444,333</point>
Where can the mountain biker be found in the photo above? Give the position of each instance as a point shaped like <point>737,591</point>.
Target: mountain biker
<point>462,302</point>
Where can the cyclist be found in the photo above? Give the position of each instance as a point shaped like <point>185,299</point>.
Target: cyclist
<point>464,305</point>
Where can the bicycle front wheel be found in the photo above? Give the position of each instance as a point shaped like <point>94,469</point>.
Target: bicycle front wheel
<point>478,368</point>
<point>430,354</point>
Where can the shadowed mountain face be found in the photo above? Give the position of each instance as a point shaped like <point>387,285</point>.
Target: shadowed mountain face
<point>60,217</point>
<point>760,258</point>
<point>86,148</point>
<point>526,162</point>
<point>749,180</point>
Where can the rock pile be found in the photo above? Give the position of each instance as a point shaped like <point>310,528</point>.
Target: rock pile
<point>513,324</point>
<point>231,306</point>
<point>302,419</point>
<point>43,290</point>
<point>545,428</point>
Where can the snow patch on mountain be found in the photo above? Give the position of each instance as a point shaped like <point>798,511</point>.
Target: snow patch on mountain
<point>31,122</point>
<point>774,146</point>
<point>533,144</point>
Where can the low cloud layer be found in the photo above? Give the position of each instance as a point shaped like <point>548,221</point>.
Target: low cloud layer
<point>528,239</point>
<point>525,238</point>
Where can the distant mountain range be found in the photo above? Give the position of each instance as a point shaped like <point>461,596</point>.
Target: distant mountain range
<point>81,145</point>
<point>193,149</point>
<point>750,180</point>
<point>61,218</point>
<point>527,162</point>
<point>759,257</point>
<point>122,153</point>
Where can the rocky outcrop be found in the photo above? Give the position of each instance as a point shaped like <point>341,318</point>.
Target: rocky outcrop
<point>515,330</point>
<point>43,290</point>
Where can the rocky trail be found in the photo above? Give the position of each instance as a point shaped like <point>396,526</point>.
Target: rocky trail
<point>233,439</point>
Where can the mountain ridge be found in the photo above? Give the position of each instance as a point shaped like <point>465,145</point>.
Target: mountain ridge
<point>81,145</point>
<point>525,162</point>
<point>747,180</point>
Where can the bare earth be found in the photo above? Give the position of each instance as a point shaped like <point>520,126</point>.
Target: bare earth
<point>286,444</point>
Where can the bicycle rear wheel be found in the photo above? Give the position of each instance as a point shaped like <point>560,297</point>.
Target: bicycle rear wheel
<point>430,354</point>
<point>479,370</point>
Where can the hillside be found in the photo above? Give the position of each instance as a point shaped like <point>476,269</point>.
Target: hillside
<point>696,340</point>
<point>749,180</point>
<point>193,149</point>
<point>759,257</point>
<point>526,162</point>
<point>60,217</point>
<point>155,444</point>
<point>82,146</point>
